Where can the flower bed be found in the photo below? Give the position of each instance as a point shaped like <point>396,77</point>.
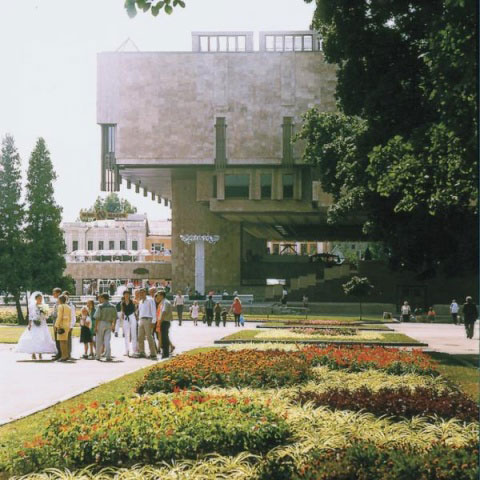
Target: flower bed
<point>152,429</point>
<point>227,369</point>
<point>337,332</point>
<point>365,461</point>
<point>358,358</point>
<point>396,402</point>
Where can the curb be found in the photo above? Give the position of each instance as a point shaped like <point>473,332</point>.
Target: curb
<point>327,327</point>
<point>316,342</point>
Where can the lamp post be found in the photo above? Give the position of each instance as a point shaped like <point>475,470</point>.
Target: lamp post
<point>199,241</point>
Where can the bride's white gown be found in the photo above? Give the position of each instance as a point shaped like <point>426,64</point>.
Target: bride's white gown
<point>38,338</point>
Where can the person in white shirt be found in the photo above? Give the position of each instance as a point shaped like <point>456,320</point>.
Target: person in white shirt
<point>147,314</point>
<point>195,312</point>
<point>454,311</point>
<point>178,303</point>
<point>406,312</point>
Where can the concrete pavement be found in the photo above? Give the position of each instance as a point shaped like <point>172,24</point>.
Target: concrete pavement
<point>446,338</point>
<point>28,386</point>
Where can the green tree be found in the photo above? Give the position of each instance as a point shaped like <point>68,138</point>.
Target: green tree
<point>112,203</point>
<point>405,140</point>
<point>152,6</point>
<point>12,214</point>
<point>44,236</point>
<point>358,287</point>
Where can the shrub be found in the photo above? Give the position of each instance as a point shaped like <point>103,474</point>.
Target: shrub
<point>364,461</point>
<point>8,316</point>
<point>336,332</point>
<point>357,358</point>
<point>244,368</point>
<point>397,402</point>
<point>152,429</point>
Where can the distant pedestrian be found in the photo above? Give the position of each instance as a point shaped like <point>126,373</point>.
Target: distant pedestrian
<point>127,312</point>
<point>224,314</point>
<point>217,312</point>
<point>431,315</point>
<point>284,296</point>
<point>62,325</point>
<point>112,288</point>
<point>147,317</point>
<point>195,312</point>
<point>305,301</point>
<point>209,306</point>
<point>178,303</point>
<point>470,315</point>
<point>236,309</point>
<point>454,308</point>
<point>406,311</point>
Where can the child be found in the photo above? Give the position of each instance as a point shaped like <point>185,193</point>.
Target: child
<point>194,312</point>
<point>224,314</point>
<point>85,332</point>
<point>217,311</point>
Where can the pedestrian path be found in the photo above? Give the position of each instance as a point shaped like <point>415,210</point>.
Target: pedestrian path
<point>447,338</point>
<point>27,386</point>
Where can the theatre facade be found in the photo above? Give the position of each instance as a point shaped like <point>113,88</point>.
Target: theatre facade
<point>210,133</point>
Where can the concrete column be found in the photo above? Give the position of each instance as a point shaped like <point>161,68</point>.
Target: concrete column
<point>200,266</point>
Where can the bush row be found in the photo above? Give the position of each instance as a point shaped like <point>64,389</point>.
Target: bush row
<point>397,402</point>
<point>151,429</point>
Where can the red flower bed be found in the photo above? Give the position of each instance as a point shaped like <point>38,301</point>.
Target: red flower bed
<point>245,368</point>
<point>357,358</point>
<point>400,402</point>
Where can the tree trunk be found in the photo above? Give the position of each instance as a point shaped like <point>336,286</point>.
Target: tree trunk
<point>20,317</point>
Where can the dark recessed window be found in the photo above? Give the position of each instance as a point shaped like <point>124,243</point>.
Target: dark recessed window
<point>287,185</point>
<point>101,245</point>
<point>266,185</point>
<point>90,245</point>
<point>111,245</point>
<point>122,245</point>
<point>134,245</point>
<point>237,186</point>
<point>75,245</point>
<point>214,186</point>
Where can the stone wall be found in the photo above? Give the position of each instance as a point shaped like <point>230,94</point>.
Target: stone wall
<point>222,260</point>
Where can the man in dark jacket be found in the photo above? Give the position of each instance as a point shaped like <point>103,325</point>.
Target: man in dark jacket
<point>470,315</point>
<point>209,306</point>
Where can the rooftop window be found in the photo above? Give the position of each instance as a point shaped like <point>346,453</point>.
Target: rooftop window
<point>223,43</point>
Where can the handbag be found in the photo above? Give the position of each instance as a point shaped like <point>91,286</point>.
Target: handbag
<point>60,331</point>
<point>37,323</point>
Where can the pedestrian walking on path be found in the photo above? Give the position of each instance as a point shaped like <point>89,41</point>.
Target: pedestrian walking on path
<point>454,311</point>
<point>127,314</point>
<point>470,315</point>
<point>236,309</point>
<point>406,311</point>
<point>178,303</point>
<point>209,306</point>
<point>195,312</point>
<point>163,325</point>
<point>85,332</point>
<point>62,325</point>
<point>105,318</point>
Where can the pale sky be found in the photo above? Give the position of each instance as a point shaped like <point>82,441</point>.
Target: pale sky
<point>48,73</point>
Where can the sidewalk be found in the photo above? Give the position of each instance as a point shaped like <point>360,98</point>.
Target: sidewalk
<point>28,386</point>
<point>447,338</point>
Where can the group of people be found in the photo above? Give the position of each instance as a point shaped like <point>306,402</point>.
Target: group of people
<point>142,317</point>
<point>469,311</point>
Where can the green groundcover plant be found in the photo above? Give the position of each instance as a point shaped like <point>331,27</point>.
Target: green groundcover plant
<point>152,429</point>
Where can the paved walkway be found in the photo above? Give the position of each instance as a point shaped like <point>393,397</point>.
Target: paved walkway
<point>28,386</point>
<point>446,338</point>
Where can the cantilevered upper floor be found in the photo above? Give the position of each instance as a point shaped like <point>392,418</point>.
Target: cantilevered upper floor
<point>222,104</point>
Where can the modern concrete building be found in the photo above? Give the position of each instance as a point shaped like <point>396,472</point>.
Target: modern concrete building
<point>210,133</point>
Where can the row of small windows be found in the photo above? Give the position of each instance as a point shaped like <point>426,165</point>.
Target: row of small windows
<point>238,186</point>
<point>223,43</point>
<point>101,245</point>
<point>289,43</point>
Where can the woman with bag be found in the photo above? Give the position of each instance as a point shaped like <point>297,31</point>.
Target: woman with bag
<point>236,308</point>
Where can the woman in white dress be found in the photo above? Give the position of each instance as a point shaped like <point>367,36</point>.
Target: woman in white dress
<point>36,338</point>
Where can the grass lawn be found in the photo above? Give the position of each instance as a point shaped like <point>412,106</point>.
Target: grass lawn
<point>380,337</point>
<point>460,369</point>
<point>12,334</point>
